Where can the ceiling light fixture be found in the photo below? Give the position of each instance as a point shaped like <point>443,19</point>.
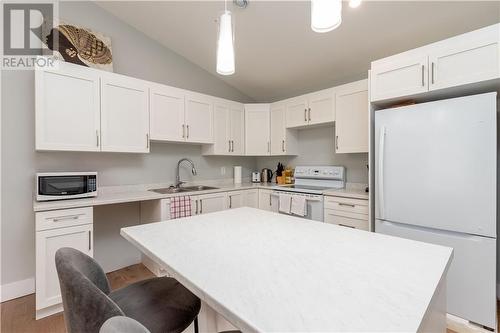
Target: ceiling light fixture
<point>225,44</point>
<point>326,15</point>
<point>354,3</point>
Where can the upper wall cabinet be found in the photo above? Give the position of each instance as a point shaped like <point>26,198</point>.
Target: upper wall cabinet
<point>351,125</point>
<point>257,130</point>
<point>283,140</point>
<point>228,128</point>
<point>67,109</point>
<point>311,109</point>
<point>464,59</point>
<point>124,114</point>
<point>178,115</point>
<point>167,113</point>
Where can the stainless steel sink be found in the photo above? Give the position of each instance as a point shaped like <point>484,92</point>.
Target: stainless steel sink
<point>171,189</point>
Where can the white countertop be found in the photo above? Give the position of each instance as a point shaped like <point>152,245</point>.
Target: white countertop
<point>267,272</point>
<point>349,192</point>
<point>108,195</point>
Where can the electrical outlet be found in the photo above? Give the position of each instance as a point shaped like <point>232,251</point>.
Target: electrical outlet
<point>222,171</point>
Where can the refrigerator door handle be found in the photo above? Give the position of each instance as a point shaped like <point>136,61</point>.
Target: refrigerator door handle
<point>381,146</point>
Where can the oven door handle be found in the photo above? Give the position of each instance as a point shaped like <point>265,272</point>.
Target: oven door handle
<point>319,198</point>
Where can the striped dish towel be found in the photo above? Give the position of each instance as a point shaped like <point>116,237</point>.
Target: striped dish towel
<point>180,207</point>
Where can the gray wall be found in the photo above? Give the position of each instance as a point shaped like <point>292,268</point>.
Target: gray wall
<point>136,55</point>
<point>316,147</point>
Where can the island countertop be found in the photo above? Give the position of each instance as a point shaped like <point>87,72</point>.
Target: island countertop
<point>267,272</point>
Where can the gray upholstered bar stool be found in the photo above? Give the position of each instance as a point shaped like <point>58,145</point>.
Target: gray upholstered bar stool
<point>160,304</point>
<point>120,324</point>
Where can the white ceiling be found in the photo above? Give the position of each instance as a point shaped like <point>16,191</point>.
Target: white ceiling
<point>277,53</point>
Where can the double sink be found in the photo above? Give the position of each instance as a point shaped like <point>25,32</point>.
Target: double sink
<point>173,189</point>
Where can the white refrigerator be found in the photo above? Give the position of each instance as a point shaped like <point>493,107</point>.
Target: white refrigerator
<point>436,182</point>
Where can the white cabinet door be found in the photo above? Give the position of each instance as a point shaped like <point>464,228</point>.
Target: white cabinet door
<point>167,113</point>
<point>351,125</point>
<point>400,75</point>
<point>257,128</point>
<point>237,115</point>
<point>235,199</point>
<point>296,112</point>
<point>48,242</point>
<point>209,203</point>
<point>222,129</point>
<point>251,198</point>
<point>278,129</point>
<point>265,202</point>
<point>67,109</point>
<point>468,58</point>
<point>321,107</point>
<point>199,109</point>
<point>124,114</point>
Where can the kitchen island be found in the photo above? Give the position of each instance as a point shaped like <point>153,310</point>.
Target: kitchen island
<point>266,272</point>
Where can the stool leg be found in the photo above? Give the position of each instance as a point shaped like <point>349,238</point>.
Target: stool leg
<point>196,330</point>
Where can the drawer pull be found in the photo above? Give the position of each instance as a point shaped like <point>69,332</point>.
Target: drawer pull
<point>90,240</point>
<point>348,226</point>
<point>67,217</point>
<point>346,204</point>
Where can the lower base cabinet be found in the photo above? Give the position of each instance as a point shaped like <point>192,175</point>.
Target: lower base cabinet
<point>246,198</point>
<point>347,212</point>
<point>54,230</point>
<point>265,202</point>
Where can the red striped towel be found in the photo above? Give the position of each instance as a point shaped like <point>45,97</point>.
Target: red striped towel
<point>180,207</point>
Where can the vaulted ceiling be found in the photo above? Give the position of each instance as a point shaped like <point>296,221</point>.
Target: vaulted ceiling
<point>277,53</point>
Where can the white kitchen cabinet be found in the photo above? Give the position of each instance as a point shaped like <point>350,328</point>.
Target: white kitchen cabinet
<point>400,75</point>
<point>251,198</point>
<point>296,112</point>
<point>67,109</point>
<point>346,212</point>
<point>244,198</point>
<point>265,201</point>
<point>321,107</point>
<point>468,58</point>
<point>166,113</point>
<point>257,129</point>
<point>351,124</point>
<point>228,128</point>
<point>208,203</point>
<point>54,230</point>
<point>124,114</point>
<point>464,59</point>
<point>198,118</point>
<point>283,140</point>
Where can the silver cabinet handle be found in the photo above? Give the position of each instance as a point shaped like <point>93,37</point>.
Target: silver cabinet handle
<point>147,140</point>
<point>305,114</point>
<point>423,78</point>
<point>232,146</point>
<point>90,240</point>
<point>268,146</point>
<point>67,217</point>
<point>309,114</point>
<point>337,142</point>
<point>97,137</point>
<point>346,204</point>
<point>183,130</point>
<point>187,131</point>
<point>230,201</point>
<point>201,206</point>
<point>348,226</point>
<point>283,145</point>
<point>432,72</point>
<point>196,209</point>
<point>229,146</point>
<point>270,203</point>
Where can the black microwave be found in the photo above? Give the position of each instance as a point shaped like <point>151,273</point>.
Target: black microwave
<point>65,185</point>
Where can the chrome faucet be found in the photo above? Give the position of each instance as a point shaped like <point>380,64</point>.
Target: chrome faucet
<point>178,181</point>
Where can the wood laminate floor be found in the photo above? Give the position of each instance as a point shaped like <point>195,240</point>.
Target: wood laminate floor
<point>18,315</point>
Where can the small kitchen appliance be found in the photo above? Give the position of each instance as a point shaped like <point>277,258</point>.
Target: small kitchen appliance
<point>65,185</point>
<point>255,177</point>
<point>266,175</point>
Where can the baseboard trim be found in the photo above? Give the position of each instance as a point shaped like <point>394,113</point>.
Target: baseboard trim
<point>17,289</point>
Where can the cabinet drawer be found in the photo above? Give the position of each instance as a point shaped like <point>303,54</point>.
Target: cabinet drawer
<point>347,204</point>
<point>334,218</point>
<point>63,218</point>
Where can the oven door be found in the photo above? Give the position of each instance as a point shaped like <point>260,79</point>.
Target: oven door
<point>314,204</point>
<point>57,187</point>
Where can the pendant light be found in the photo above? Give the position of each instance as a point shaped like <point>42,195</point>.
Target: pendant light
<point>326,15</point>
<point>225,44</point>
